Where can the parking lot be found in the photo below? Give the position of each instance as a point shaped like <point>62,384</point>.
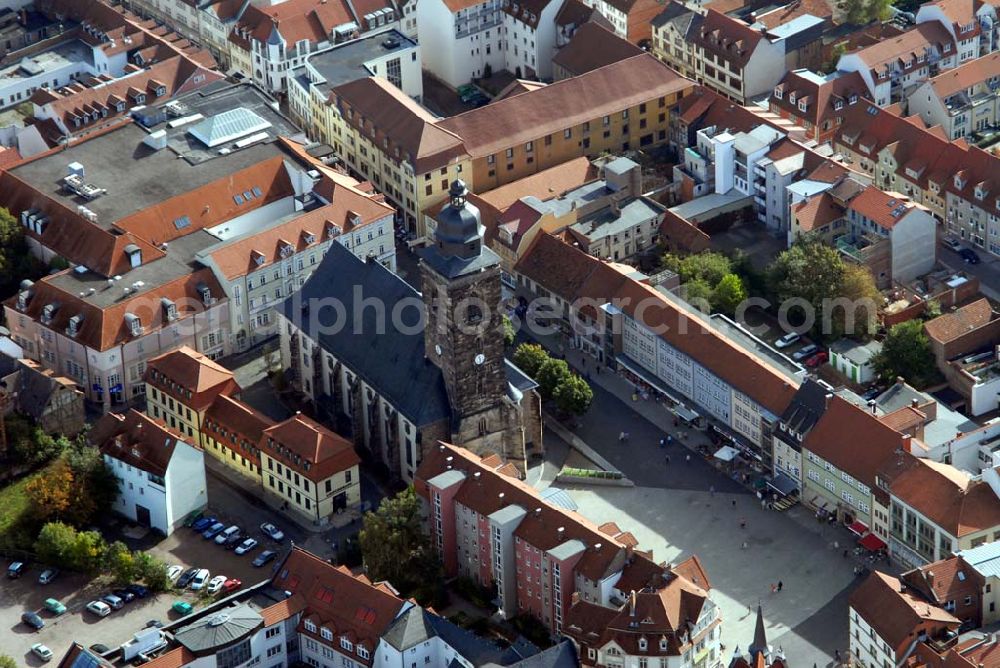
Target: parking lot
<point>183,547</point>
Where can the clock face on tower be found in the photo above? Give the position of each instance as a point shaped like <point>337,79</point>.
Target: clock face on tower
<point>480,358</point>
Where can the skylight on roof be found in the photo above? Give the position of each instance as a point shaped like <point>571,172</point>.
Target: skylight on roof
<point>256,191</point>
<point>182,222</point>
<point>238,198</point>
<point>228,126</point>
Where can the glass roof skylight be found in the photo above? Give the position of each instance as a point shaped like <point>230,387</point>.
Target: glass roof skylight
<point>228,126</point>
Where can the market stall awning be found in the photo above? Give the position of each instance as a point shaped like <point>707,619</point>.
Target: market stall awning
<point>858,528</point>
<point>726,453</point>
<point>782,484</point>
<point>872,543</point>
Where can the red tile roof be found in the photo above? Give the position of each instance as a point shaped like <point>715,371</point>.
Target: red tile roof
<point>564,104</point>
<point>853,440</point>
<point>103,328</point>
<point>882,208</point>
<point>817,212</point>
<point>906,47</point>
<point>308,447</point>
<point>966,75</point>
<point>823,99</point>
<point>190,377</point>
<point>948,497</point>
<point>544,185</point>
<point>334,598</point>
<point>950,326</point>
<point>136,439</point>
<point>212,203</point>
<point>251,252</point>
<point>729,39</point>
<point>591,47</point>
<point>294,20</point>
<point>893,614</point>
<point>237,426</point>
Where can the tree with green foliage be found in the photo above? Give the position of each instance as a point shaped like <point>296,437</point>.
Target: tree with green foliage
<point>62,545</point>
<point>906,352</point>
<point>95,484</point>
<point>16,262</point>
<point>836,292</point>
<point>551,375</point>
<point>51,491</point>
<point>698,293</point>
<point>396,549</point>
<point>120,563</point>
<point>728,294</point>
<point>508,331</point>
<point>708,266</point>
<point>574,395</point>
<point>7,661</point>
<point>151,570</point>
<point>529,358</point>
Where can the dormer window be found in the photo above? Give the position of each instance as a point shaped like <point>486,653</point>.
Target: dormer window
<point>332,231</point>
<point>134,324</point>
<point>663,644</point>
<point>980,192</point>
<point>73,326</point>
<point>642,644</point>
<point>852,99</point>
<point>778,93</point>
<point>169,309</point>
<point>959,181</point>
<point>792,97</point>
<point>838,105</point>
<point>119,107</point>
<point>309,237</point>
<point>23,297</point>
<point>310,625</point>
<point>326,633</point>
<point>258,258</point>
<point>206,294</point>
<point>49,312</point>
<point>346,644</point>
<point>802,105</point>
<point>286,249</point>
<point>947,48</point>
<point>161,91</point>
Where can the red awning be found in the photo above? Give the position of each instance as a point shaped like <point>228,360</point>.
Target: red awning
<point>872,543</point>
<point>859,528</point>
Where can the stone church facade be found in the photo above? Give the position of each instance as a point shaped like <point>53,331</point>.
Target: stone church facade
<point>394,389</point>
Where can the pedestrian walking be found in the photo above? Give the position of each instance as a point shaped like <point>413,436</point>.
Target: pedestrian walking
<point>836,654</point>
<point>687,458</point>
<point>743,523</point>
<point>845,554</point>
<point>774,588</point>
<point>663,442</point>
<point>668,460</point>
<point>621,437</point>
<point>781,585</point>
<point>734,503</point>
<point>670,439</point>
<point>745,545</point>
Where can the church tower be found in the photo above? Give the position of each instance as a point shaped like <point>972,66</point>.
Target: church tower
<point>463,333</point>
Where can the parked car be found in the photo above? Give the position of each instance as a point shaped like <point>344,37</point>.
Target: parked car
<point>952,243</point>
<point>193,517</point>
<point>213,531</point>
<point>819,359</point>
<point>871,393</point>
<point>200,579</point>
<point>99,608</point>
<point>265,557</point>
<point>137,590</point>
<point>182,607</point>
<point>33,620</point>
<point>246,546</point>
<point>969,255</point>
<point>787,340</point>
<point>272,532</point>
<point>48,575</point>
<point>99,648</point>
<point>232,584</point>
<point>154,624</point>
<point>174,572</point>
<point>184,580</point>
<point>805,352</point>
<point>233,541</point>
<point>216,584</point>
<point>54,606</point>
<point>16,569</point>
<point>41,651</point>
<point>224,536</point>
<point>124,594</point>
<point>115,602</point>
<point>204,523</point>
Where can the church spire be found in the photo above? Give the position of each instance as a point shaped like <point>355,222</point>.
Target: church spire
<point>759,645</point>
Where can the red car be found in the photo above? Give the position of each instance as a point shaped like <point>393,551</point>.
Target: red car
<point>818,359</point>
<point>231,585</point>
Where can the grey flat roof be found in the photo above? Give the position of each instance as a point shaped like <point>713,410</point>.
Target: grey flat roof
<point>567,549</point>
<point>346,62</point>
<point>178,262</point>
<point>137,177</point>
<point>59,56</point>
<point>606,222</point>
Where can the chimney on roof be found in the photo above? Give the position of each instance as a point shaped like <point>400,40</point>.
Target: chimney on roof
<point>872,406</point>
<point>477,474</point>
<point>500,496</point>
<point>914,403</point>
<point>900,380</point>
<point>631,604</point>
<point>930,578</point>
<point>906,442</point>
<point>827,399</point>
<point>538,511</point>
